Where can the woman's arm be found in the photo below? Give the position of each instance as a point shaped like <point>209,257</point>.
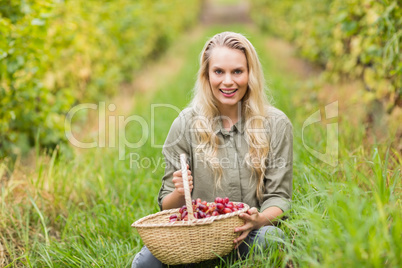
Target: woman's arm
<point>176,198</point>
<point>256,220</point>
<point>278,179</point>
<point>171,193</point>
<point>279,170</point>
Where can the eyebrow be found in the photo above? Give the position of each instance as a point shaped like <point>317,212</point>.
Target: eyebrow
<point>218,67</point>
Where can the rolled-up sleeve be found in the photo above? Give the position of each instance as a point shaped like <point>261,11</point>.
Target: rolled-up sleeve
<point>279,171</point>
<point>176,143</point>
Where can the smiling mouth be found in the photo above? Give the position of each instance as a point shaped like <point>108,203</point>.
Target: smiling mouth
<point>228,91</point>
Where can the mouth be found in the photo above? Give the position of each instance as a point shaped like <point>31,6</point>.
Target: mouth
<point>228,92</point>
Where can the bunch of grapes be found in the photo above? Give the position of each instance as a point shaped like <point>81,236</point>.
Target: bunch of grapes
<point>202,209</point>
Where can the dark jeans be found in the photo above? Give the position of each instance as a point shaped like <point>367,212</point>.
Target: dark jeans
<point>144,258</point>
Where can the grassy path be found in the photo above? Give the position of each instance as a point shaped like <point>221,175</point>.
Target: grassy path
<point>77,211</point>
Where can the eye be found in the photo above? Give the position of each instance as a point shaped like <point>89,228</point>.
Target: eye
<point>218,71</point>
<point>238,71</point>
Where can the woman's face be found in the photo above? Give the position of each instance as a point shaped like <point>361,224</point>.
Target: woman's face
<point>228,77</point>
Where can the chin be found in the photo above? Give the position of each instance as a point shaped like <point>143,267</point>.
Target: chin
<point>230,103</point>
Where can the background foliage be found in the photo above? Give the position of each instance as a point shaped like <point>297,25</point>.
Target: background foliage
<point>63,211</point>
<point>77,212</point>
<point>54,54</point>
<point>358,39</point>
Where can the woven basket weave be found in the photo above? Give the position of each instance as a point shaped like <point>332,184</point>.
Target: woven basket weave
<point>189,241</point>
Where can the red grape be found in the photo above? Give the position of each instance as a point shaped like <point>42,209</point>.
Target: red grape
<point>182,209</point>
<point>218,200</point>
<point>229,205</point>
<point>220,206</point>
<point>227,210</point>
<point>173,218</point>
<point>202,209</point>
<point>184,214</point>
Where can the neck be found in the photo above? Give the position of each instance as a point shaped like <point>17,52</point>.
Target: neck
<point>230,115</point>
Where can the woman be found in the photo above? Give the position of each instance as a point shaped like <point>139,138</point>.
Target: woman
<point>238,145</point>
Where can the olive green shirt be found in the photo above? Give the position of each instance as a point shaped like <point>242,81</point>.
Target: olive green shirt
<point>238,179</point>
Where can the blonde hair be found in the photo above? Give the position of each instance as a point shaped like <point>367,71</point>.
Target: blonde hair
<point>253,107</point>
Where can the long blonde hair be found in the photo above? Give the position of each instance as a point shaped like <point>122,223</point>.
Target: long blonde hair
<point>253,107</point>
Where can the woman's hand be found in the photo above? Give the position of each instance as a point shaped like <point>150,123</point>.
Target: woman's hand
<point>255,220</point>
<point>252,221</point>
<point>178,181</point>
<point>176,198</point>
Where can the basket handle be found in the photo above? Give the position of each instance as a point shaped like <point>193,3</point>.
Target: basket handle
<point>187,195</point>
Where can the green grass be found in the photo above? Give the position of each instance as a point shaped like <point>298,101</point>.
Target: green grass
<point>76,211</point>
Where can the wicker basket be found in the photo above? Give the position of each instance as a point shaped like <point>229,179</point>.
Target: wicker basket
<point>189,241</point>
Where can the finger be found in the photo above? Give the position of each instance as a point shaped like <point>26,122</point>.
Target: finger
<point>246,227</point>
<point>177,173</point>
<point>242,236</point>
<point>246,217</point>
<point>180,180</point>
<point>177,180</point>
<point>252,211</point>
<point>180,190</point>
<point>178,183</point>
<point>238,244</point>
<point>179,176</point>
<point>178,186</point>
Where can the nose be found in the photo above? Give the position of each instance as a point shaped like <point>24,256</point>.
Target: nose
<point>228,79</point>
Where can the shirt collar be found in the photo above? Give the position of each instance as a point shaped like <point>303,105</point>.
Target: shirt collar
<point>239,126</point>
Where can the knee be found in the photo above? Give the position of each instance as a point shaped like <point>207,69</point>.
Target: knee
<point>270,234</point>
<point>144,258</point>
<point>138,261</point>
<point>275,232</point>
